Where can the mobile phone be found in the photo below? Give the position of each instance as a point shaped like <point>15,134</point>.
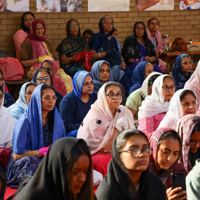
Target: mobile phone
<point>178,180</point>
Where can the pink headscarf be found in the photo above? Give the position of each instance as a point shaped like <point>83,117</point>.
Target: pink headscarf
<point>98,125</point>
<point>58,83</point>
<point>184,127</point>
<point>32,35</point>
<point>176,167</point>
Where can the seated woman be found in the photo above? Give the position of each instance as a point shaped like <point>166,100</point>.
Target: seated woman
<point>43,76</point>
<point>155,106</point>
<point>128,174</point>
<point>166,145</point>
<point>67,167</point>
<point>101,72</point>
<point>189,130</point>
<point>182,70</point>
<point>156,38</point>
<point>51,65</point>
<point>75,105</point>
<point>8,99</point>
<point>34,132</point>
<point>182,103</point>
<point>35,48</point>
<point>109,47</point>
<point>138,48</point>
<point>26,20</point>
<point>194,83</point>
<point>74,45</point>
<point>134,100</point>
<point>7,125</point>
<point>141,71</point>
<point>25,93</point>
<point>104,121</point>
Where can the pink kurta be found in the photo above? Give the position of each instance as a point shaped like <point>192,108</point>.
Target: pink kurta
<point>150,124</point>
<point>18,38</point>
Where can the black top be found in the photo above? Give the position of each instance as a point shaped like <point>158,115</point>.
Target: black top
<point>118,185</point>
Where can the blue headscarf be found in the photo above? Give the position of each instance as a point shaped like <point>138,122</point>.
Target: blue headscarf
<point>138,76</point>
<point>95,73</point>
<point>28,131</point>
<point>177,72</point>
<point>18,108</point>
<point>78,81</point>
<point>98,39</point>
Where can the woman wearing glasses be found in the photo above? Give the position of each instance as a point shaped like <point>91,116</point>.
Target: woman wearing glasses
<point>104,121</point>
<point>43,76</point>
<point>182,103</point>
<point>189,130</point>
<point>71,46</point>
<point>155,106</point>
<point>167,144</point>
<point>128,175</point>
<point>34,132</point>
<point>108,47</point>
<point>75,105</point>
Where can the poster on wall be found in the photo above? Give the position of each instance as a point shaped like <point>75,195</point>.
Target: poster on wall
<point>108,5</point>
<point>59,5</point>
<point>148,5</point>
<point>189,4</point>
<point>14,5</point>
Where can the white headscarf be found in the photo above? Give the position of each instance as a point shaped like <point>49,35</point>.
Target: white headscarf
<point>154,103</point>
<point>144,88</point>
<point>6,126</point>
<point>175,111</point>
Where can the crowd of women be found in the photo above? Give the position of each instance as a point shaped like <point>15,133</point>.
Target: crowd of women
<point>100,110</point>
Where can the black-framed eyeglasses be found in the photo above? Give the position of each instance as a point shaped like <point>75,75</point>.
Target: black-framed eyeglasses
<point>41,79</point>
<point>166,88</point>
<point>135,152</point>
<point>195,142</point>
<point>112,95</point>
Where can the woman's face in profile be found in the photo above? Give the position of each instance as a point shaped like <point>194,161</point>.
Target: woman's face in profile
<point>28,19</point>
<point>79,173</point>
<point>137,163</point>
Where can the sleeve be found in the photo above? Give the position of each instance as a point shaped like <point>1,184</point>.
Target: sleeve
<point>146,125</point>
<point>128,50</point>
<point>134,101</point>
<point>26,52</point>
<point>67,112</point>
<point>151,51</point>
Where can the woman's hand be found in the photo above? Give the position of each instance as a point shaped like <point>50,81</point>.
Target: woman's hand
<point>176,194</point>
<point>123,65</point>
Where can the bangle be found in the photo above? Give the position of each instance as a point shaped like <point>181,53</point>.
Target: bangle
<point>99,55</point>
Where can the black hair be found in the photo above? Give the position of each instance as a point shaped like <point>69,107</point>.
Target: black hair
<point>88,31</point>
<point>86,192</point>
<point>110,83</point>
<point>50,116</point>
<point>1,88</point>
<point>123,137</point>
<point>68,28</point>
<point>185,92</point>
<point>29,84</point>
<point>23,27</point>
<point>43,70</point>
<point>149,21</point>
<point>1,72</point>
<point>170,134</point>
<point>152,79</point>
<point>48,61</point>
<point>168,76</point>
<point>196,128</point>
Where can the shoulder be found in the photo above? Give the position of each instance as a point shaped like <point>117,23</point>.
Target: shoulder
<point>19,33</point>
